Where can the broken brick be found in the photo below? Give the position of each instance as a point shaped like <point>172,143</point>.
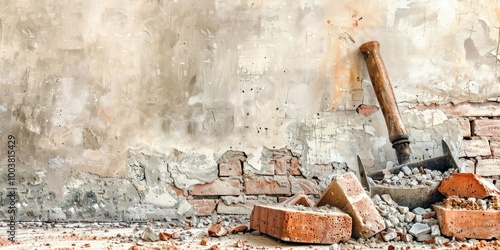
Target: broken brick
<point>218,187</point>
<point>298,199</point>
<point>325,227</point>
<point>476,224</point>
<point>346,192</point>
<point>217,230</point>
<point>467,185</point>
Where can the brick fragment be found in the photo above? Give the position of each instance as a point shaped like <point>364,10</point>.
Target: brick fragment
<point>280,166</point>
<point>218,187</point>
<point>325,227</point>
<point>486,127</point>
<point>467,185</point>
<point>267,185</point>
<point>203,207</point>
<point>217,230</point>
<point>306,186</point>
<point>495,148</point>
<point>346,192</point>
<point>488,167</point>
<point>298,199</point>
<point>366,110</point>
<point>476,224</point>
<point>232,168</point>
<point>473,148</point>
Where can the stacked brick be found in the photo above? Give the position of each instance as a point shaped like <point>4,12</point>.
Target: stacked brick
<point>480,127</point>
<point>240,186</point>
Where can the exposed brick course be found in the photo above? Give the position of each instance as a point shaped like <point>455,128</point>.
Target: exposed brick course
<point>218,187</point>
<point>267,185</point>
<point>466,109</point>
<point>473,148</point>
<point>486,127</point>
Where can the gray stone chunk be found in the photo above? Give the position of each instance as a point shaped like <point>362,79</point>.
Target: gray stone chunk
<point>406,170</point>
<point>419,210</point>
<point>419,229</point>
<point>435,231</point>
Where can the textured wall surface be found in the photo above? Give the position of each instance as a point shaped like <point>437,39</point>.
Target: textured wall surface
<point>148,96</point>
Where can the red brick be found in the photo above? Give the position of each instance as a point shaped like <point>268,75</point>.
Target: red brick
<point>203,207</point>
<point>267,185</point>
<point>465,109</point>
<point>346,192</point>
<point>218,187</point>
<point>473,148</point>
<point>281,166</point>
<point>324,227</point>
<point>366,110</point>
<point>294,167</point>
<point>306,186</point>
<point>486,127</point>
<point>467,185</point>
<point>475,224</point>
<point>232,168</point>
<point>464,125</point>
<point>495,148</point>
<point>488,167</point>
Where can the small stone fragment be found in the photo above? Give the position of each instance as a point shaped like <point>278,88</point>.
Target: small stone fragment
<point>239,229</point>
<point>419,229</point>
<point>164,236</point>
<point>149,235</point>
<point>435,231</point>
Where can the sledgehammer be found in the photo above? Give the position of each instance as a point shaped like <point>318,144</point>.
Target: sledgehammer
<point>397,134</point>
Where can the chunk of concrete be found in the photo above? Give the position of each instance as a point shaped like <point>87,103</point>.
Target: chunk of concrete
<point>419,229</point>
<point>467,185</point>
<point>476,224</point>
<point>313,225</point>
<point>346,193</point>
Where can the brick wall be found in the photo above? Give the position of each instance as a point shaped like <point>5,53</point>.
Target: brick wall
<point>480,127</point>
<point>241,186</point>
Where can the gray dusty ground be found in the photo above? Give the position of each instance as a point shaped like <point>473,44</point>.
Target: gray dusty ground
<point>123,236</point>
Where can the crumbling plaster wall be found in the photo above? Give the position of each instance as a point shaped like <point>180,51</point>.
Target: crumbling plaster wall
<point>107,91</point>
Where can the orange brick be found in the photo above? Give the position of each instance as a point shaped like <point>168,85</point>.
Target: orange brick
<point>203,207</point>
<point>232,168</point>
<point>218,187</point>
<point>486,127</point>
<point>323,227</point>
<point>366,110</point>
<point>346,192</point>
<point>473,148</point>
<point>476,224</point>
<point>267,185</point>
<point>467,185</point>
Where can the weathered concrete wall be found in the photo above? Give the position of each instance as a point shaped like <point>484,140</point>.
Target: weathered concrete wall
<point>147,96</point>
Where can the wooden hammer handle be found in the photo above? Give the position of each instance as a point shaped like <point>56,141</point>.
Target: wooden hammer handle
<point>384,91</point>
